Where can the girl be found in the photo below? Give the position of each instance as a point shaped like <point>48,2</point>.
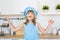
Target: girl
<point>30,26</point>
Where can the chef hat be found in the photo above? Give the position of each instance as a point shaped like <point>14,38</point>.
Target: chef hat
<point>30,8</point>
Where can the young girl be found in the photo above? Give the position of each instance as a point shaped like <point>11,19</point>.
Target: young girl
<point>30,26</point>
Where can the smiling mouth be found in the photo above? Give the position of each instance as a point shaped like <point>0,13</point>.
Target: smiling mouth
<point>30,16</point>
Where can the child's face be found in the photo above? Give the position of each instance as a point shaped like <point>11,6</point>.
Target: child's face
<point>30,16</point>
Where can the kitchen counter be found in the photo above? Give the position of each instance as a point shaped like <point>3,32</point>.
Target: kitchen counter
<point>47,36</point>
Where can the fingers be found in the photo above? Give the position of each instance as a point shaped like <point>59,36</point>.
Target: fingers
<point>51,21</point>
<point>7,17</point>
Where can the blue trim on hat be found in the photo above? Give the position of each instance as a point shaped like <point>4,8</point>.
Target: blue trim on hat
<point>30,8</point>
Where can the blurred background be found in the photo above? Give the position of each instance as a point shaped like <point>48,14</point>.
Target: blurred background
<point>47,9</point>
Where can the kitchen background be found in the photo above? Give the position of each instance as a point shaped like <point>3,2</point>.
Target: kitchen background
<point>16,8</point>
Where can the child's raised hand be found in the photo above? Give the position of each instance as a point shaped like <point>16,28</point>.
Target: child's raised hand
<point>51,22</point>
<point>7,17</point>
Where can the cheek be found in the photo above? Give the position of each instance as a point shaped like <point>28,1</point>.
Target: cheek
<point>30,16</point>
<point>33,17</point>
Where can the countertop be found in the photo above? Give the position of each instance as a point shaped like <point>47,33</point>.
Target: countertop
<point>41,36</point>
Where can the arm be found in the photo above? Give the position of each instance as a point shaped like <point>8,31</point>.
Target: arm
<point>12,26</point>
<point>44,31</point>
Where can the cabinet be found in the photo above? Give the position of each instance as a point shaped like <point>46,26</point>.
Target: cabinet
<point>20,5</point>
<point>4,6</point>
<point>51,4</point>
<point>16,6</point>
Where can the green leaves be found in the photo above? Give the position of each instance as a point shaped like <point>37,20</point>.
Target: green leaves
<point>45,7</point>
<point>58,6</point>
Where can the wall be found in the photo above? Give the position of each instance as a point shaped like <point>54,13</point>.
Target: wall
<point>43,19</point>
<point>16,6</point>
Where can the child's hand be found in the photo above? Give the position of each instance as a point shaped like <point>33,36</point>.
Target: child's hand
<point>50,22</point>
<point>8,18</point>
